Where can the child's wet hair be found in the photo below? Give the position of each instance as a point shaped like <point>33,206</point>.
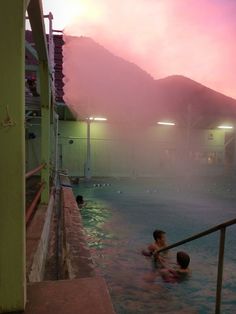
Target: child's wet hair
<point>157,234</point>
<point>183,259</point>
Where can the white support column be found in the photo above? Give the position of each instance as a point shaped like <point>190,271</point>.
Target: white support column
<point>87,170</point>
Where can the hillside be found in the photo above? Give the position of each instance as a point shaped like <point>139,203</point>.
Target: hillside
<point>99,83</point>
<point>181,97</point>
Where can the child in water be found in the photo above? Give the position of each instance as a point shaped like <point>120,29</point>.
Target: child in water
<point>179,273</point>
<point>80,201</point>
<point>160,243</point>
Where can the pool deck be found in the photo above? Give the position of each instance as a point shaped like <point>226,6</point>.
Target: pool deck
<point>84,295</point>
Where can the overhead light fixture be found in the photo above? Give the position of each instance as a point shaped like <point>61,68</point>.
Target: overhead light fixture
<point>97,119</point>
<point>225,127</point>
<point>100,119</point>
<point>165,123</point>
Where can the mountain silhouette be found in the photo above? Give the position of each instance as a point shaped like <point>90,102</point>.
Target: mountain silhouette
<point>186,99</point>
<point>100,83</point>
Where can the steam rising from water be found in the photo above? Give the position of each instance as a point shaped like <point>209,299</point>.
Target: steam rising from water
<point>165,37</point>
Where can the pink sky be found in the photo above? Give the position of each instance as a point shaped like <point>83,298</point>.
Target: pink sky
<point>164,37</point>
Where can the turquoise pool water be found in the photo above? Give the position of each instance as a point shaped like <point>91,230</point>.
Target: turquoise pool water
<point>119,217</point>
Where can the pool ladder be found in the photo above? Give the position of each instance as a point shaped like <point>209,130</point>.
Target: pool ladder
<point>222,228</point>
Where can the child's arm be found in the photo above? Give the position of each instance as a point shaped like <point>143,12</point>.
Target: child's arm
<point>169,275</point>
<point>146,253</point>
<point>150,250</point>
<point>161,260</point>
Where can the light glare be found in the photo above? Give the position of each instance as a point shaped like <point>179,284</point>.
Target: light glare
<point>97,119</point>
<point>165,123</point>
<point>100,119</point>
<point>225,127</point>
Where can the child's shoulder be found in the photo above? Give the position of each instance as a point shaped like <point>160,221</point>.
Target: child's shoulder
<point>183,274</point>
<point>153,247</point>
<point>183,271</point>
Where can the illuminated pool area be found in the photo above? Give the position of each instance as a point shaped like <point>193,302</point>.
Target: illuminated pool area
<point>120,216</point>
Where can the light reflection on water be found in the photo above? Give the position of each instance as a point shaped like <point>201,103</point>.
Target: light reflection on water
<point>119,220</point>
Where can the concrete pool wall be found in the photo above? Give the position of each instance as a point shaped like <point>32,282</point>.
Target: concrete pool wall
<point>79,289</point>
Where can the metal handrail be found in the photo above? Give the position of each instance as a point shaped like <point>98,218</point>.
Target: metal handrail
<point>199,235</point>
<point>222,227</point>
<point>33,171</point>
<point>31,208</point>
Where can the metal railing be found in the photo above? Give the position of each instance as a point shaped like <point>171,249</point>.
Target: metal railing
<point>30,210</point>
<point>32,172</point>
<point>222,228</point>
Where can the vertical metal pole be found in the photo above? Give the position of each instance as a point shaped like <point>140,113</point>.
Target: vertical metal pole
<point>56,147</point>
<point>45,94</point>
<point>188,136</point>
<point>189,119</point>
<point>38,80</point>
<point>51,46</point>
<point>88,161</point>
<point>12,157</point>
<point>234,158</point>
<point>220,270</point>
<point>60,156</point>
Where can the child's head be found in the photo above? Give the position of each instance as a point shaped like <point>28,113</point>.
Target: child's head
<point>183,259</point>
<point>159,235</point>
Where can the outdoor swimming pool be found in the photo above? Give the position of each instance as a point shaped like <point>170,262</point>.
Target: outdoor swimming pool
<point>119,217</point>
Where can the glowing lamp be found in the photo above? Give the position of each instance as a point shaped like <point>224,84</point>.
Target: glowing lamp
<point>97,119</point>
<point>225,127</point>
<point>100,119</point>
<point>165,123</point>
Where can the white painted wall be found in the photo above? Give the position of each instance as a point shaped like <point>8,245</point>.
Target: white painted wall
<point>134,150</point>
